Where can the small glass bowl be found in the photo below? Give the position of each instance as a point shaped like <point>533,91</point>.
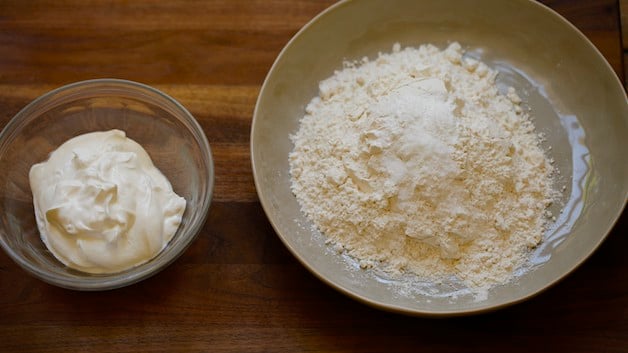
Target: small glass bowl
<point>173,138</point>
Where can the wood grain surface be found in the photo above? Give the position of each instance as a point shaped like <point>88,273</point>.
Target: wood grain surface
<point>237,289</point>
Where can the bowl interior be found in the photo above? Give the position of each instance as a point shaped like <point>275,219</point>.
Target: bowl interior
<point>537,52</point>
<point>173,140</point>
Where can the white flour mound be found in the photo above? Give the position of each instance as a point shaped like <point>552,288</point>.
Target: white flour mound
<point>415,163</point>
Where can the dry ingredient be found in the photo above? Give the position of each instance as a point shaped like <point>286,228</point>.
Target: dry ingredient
<point>415,163</point>
<point>101,205</point>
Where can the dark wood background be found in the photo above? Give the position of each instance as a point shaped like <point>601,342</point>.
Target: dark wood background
<point>237,289</point>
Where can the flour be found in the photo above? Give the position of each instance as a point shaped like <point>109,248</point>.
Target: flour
<point>415,163</point>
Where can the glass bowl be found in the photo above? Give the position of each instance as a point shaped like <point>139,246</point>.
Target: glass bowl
<point>169,133</point>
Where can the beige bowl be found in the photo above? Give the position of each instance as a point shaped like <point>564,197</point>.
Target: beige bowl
<point>574,95</point>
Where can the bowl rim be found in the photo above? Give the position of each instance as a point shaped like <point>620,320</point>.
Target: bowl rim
<point>143,271</point>
<point>266,203</point>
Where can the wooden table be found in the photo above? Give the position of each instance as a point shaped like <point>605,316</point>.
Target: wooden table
<point>237,288</point>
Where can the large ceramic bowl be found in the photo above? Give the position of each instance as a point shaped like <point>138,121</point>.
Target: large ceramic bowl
<point>163,127</point>
<point>574,95</point>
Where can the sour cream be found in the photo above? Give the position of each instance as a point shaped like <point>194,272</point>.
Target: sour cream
<point>101,205</point>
